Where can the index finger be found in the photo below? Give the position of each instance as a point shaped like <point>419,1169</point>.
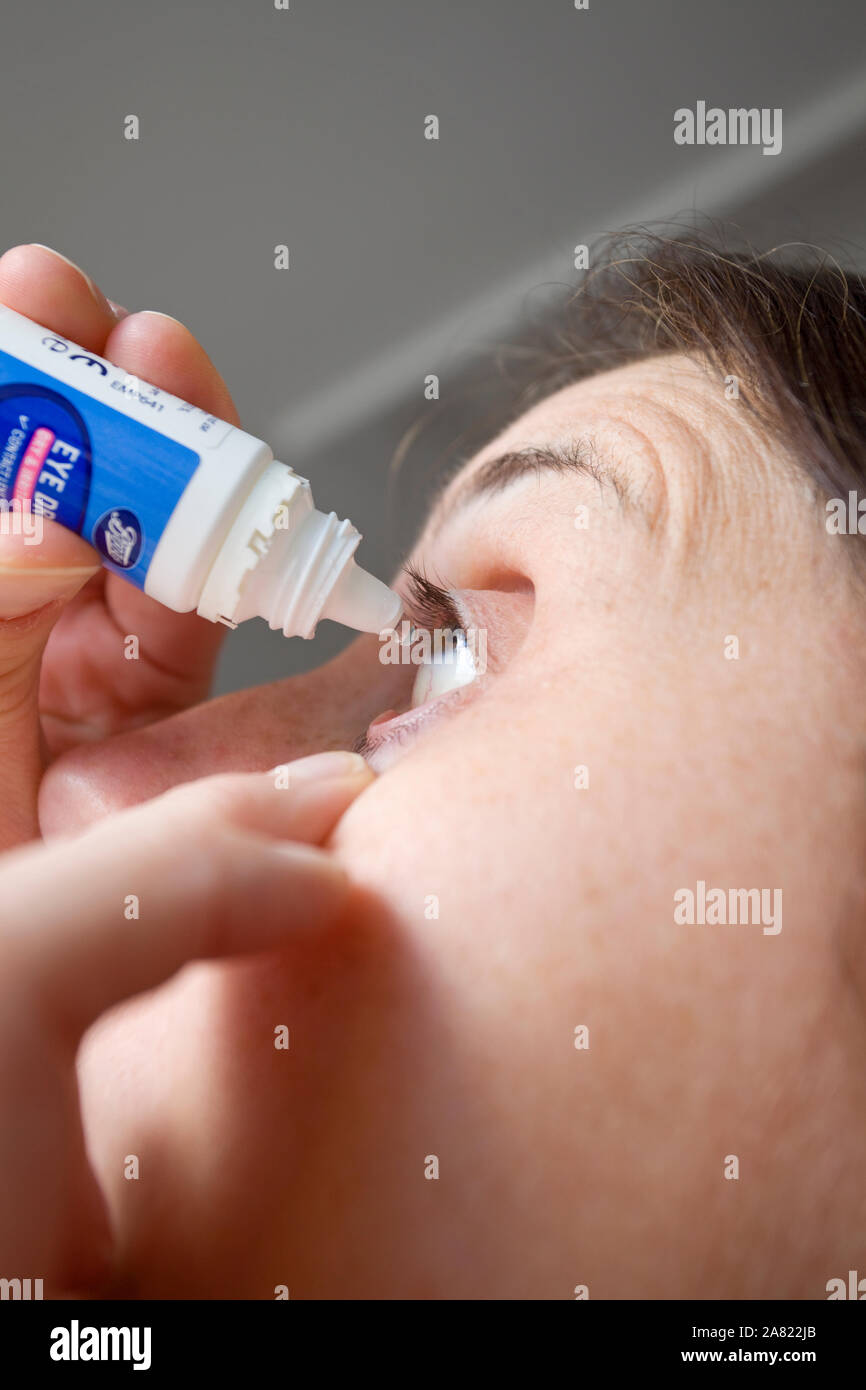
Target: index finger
<point>193,875</point>
<point>44,286</point>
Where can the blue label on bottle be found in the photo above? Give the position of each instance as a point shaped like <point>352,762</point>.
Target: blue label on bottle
<point>104,475</point>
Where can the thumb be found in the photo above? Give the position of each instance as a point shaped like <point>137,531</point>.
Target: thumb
<point>42,566</point>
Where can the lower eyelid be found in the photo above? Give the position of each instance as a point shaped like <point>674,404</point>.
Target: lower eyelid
<point>429,712</point>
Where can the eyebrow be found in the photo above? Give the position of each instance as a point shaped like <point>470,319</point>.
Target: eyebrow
<point>582,456</point>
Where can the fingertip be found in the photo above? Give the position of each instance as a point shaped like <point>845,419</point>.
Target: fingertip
<point>336,762</point>
<point>163,351</point>
<point>46,286</point>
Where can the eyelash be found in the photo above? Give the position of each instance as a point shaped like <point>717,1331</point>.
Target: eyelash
<point>429,605</point>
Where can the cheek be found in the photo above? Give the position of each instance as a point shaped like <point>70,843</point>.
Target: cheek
<point>466,837</point>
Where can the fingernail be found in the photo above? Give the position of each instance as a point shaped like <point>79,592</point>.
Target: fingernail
<point>118,310</point>
<point>333,764</point>
<point>155,313</point>
<point>97,294</point>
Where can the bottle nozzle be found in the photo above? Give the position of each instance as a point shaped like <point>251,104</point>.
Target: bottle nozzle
<point>361,601</point>
<point>292,564</point>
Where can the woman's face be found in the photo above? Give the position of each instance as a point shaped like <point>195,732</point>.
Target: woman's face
<point>671,699</point>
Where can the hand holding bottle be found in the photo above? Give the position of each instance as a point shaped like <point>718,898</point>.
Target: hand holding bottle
<point>57,589</point>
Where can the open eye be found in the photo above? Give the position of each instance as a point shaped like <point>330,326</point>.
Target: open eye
<point>451,663</point>
<point>442,648</point>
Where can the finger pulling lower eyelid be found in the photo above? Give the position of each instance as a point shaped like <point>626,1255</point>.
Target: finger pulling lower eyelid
<point>320,767</point>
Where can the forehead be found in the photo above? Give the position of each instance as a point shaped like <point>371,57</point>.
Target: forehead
<point>686,450</point>
<point>662,395</point>
<point>665,427</point>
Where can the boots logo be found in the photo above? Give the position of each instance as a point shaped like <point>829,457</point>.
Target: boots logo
<point>118,536</point>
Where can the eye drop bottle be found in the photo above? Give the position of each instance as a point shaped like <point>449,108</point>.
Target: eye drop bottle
<point>187,507</point>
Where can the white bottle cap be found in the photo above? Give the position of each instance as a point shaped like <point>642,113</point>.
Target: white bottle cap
<point>291,564</point>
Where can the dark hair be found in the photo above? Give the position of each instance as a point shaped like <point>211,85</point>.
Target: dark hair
<point>788,323</point>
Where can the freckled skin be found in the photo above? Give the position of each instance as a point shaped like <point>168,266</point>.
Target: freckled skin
<point>454,1035</point>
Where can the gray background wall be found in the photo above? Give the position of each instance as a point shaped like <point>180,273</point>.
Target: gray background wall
<point>306,127</point>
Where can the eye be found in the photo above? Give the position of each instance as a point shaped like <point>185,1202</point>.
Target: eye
<point>450,664</point>
<point>441,646</point>
<point>444,637</point>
